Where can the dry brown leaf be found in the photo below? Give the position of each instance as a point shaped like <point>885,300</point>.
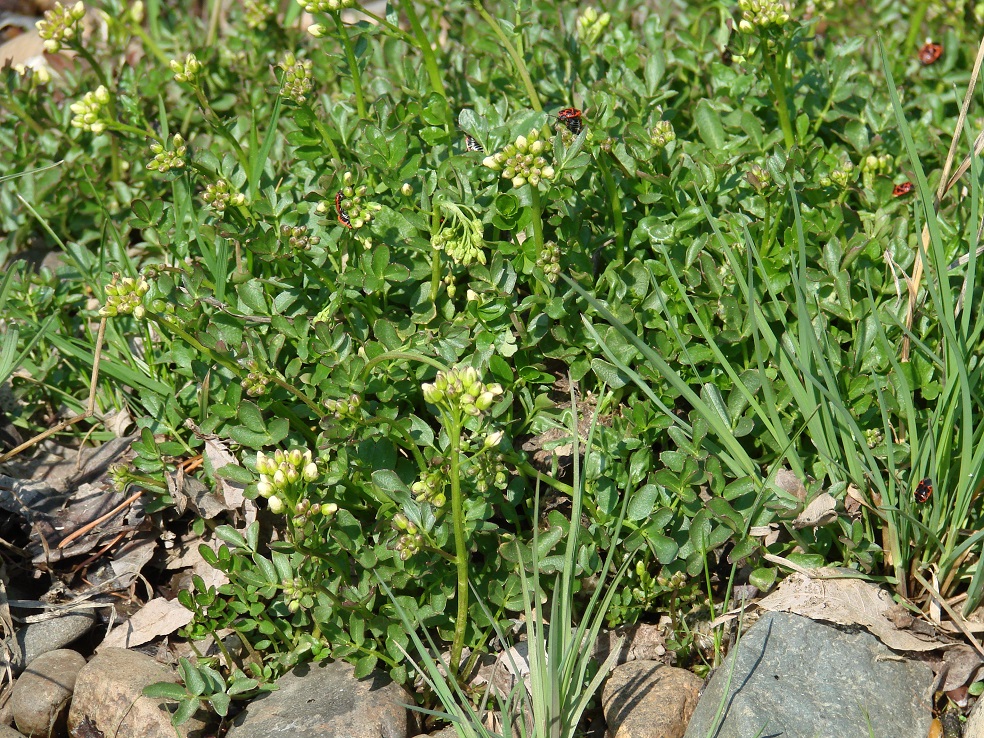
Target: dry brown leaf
<point>218,455</point>
<point>187,556</point>
<point>787,481</point>
<point>962,662</point>
<point>159,617</point>
<point>846,601</point>
<point>768,533</point>
<point>132,556</point>
<point>822,510</point>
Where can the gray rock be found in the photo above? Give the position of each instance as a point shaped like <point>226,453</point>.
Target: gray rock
<point>7,732</point>
<point>799,678</point>
<point>108,693</point>
<point>40,697</point>
<point>327,701</point>
<point>45,636</point>
<point>648,698</point>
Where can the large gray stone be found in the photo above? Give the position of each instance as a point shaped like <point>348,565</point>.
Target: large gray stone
<point>109,694</point>
<point>794,677</point>
<point>47,635</point>
<point>327,701</point>
<point>41,695</point>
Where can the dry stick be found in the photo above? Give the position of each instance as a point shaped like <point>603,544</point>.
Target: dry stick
<point>90,409</point>
<point>957,620</point>
<point>89,526</point>
<point>944,186</point>
<point>99,553</point>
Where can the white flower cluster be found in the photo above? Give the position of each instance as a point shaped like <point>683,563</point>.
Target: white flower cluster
<point>282,473</point>
<point>523,161</point>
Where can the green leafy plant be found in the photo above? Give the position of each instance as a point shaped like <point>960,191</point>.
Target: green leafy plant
<point>201,685</point>
<point>563,678</point>
<point>278,235</point>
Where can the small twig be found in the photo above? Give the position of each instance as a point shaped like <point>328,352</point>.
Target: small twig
<point>89,526</point>
<point>957,620</point>
<point>100,552</point>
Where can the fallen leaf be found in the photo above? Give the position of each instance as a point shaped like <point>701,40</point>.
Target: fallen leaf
<point>846,600</point>
<point>821,510</point>
<point>218,455</point>
<point>787,481</point>
<point>131,557</point>
<point>159,617</point>
<point>962,662</point>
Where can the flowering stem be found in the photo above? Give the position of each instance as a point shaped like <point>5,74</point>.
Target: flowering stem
<point>460,545</point>
<point>299,395</point>
<point>424,44</point>
<point>353,63</point>
<point>405,434</point>
<point>435,257</point>
<point>219,126</point>
<point>513,54</point>
<point>537,218</point>
<point>435,274</point>
<point>329,142</point>
<point>21,114</point>
<point>125,128</point>
<point>778,79</point>
<point>114,146</point>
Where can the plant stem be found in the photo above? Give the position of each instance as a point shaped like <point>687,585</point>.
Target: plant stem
<point>221,128</point>
<point>114,144</point>
<point>426,50</point>
<point>537,218</point>
<point>299,395</point>
<point>616,205</point>
<point>460,545</point>
<point>778,79</point>
<point>326,137</point>
<point>353,63</point>
<point>513,54</point>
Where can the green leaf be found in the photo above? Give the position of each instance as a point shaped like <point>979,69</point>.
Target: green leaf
<point>709,125</point>
<point>743,549</point>
<point>194,681</point>
<point>609,374</point>
<point>166,690</point>
<point>642,503</point>
<point>365,666</point>
<point>389,481</point>
<point>251,295</point>
<point>251,417</point>
<point>763,578</point>
<point>231,536</point>
<point>220,703</point>
<point>666,549</point>
<point>186,709</point>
